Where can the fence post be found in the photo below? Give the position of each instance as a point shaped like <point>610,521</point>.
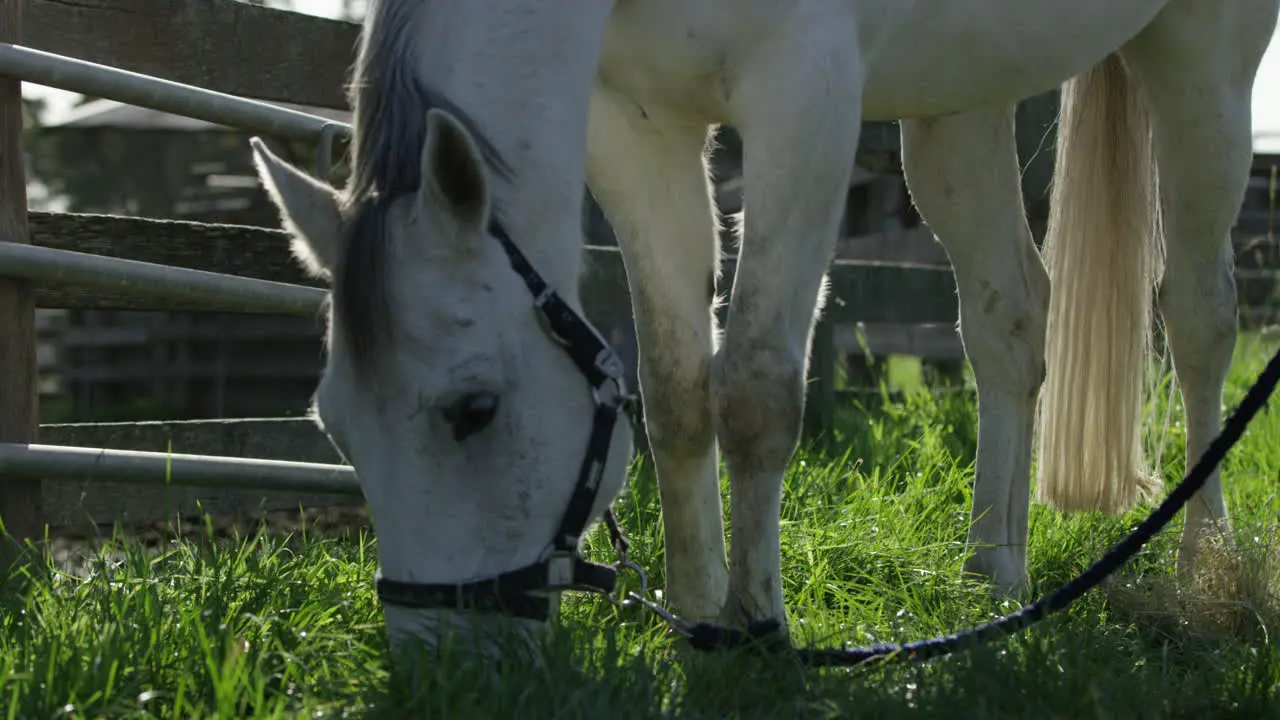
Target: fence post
<point>20,499</point>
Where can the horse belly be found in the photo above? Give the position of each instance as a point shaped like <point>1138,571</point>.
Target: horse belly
<point>673,56</point>
<point>941,57</point>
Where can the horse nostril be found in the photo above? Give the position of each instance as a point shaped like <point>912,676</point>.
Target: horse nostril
<point>471,414</point>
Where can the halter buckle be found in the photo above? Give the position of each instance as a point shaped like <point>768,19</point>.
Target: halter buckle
<point>560,571</point>
<point>609,362</point>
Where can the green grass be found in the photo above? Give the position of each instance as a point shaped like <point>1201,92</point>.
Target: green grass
<point>873,542</point>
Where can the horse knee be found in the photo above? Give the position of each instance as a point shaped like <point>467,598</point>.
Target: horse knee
<point>678,405</point>
<point>758,391</point>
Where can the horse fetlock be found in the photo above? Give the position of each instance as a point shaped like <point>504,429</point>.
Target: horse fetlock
<point>753,602</point>
<point>1004,568</point>
<point>755,555</point>
<point>1205,545</point>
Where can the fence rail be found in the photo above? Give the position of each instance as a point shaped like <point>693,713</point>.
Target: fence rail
<point>67,73</point>
<point>88,501</point>
<point>27,460</point>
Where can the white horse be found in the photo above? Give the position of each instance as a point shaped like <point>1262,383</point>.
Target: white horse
<point>478,121</point>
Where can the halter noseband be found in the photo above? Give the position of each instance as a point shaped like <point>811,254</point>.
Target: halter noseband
<point>560,567</point>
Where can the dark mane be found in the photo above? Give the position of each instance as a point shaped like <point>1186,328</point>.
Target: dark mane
<point>390,104</point>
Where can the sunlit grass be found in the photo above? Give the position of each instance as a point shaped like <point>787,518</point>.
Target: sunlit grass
<point>873,543</point>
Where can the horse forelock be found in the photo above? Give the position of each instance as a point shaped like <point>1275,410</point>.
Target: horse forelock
<point>390,103</point>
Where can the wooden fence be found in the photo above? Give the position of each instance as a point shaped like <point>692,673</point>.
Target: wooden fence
<point>54,260</point>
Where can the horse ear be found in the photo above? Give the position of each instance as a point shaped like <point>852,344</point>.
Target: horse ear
<point>453,170</point>
<point>308,210</point>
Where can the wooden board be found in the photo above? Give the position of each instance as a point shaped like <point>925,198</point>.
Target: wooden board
<point>221,45</point>
<point>231,249</point>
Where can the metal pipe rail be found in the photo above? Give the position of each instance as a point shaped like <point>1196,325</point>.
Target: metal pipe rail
<point>228,293</point>
<point>96,80</point>
<point>157,468</point>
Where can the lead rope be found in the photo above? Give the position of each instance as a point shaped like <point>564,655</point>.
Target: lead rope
<point>708,637</point>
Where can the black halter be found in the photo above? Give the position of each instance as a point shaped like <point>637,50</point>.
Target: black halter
<point>560,568</point>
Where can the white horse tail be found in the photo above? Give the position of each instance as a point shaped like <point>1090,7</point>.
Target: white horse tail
<point>1104,253</point>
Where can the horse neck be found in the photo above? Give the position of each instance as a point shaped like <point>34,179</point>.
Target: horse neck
<point>524,70</point>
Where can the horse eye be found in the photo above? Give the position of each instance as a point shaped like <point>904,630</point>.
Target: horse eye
<point>471,414</point>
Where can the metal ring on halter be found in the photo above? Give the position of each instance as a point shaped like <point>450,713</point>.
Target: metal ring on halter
<point>324,148</point>
<point>611,394</point>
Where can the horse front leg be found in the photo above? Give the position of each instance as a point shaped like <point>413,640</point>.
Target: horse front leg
<point>648,174</point>
<point>799,117</point>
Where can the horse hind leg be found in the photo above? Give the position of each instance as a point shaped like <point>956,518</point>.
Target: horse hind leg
<point>650,180</point>
<point>1196,65</point>
<point>962,171</point>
